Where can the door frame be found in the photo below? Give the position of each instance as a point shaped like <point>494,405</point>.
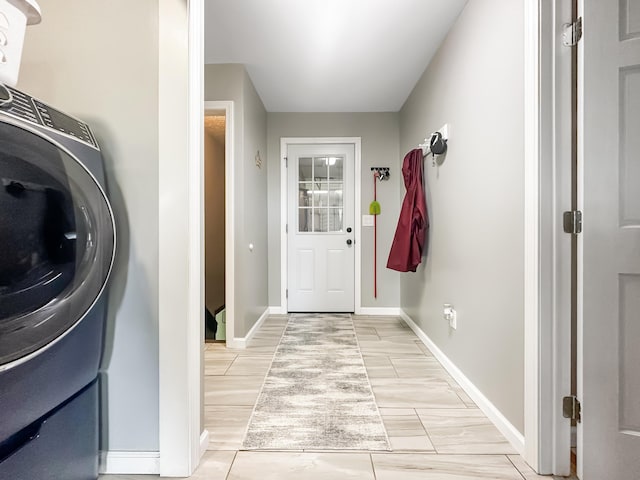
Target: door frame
<point>547,268</point>
<point>180,381</point>
<point>226,107</point>
<point>284,206</point>
<point>181,439</point>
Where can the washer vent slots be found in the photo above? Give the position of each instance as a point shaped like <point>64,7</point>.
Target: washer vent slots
<point>21,106</point>
<point>34,111</point>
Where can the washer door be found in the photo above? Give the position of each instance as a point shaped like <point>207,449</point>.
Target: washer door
<point>56,242</point>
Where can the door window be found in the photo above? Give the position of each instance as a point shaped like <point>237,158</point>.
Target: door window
<point>320,188</point>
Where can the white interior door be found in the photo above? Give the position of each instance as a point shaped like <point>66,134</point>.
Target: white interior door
<point>320,226</point>
<point>609,348</point>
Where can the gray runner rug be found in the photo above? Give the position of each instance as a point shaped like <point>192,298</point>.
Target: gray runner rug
<point>317,394</point>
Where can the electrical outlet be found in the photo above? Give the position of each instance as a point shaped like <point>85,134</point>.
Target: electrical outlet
<point>450,315</point>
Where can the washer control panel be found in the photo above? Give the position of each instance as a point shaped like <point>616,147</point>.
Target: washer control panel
<point>18,104</point>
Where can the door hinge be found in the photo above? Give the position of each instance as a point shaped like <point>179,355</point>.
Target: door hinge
<point>286,293</point>
<point>571,408</point>
<point>286,228</point>
<point>572,33</point>
<point>572,222</point>
<point>286,162</point>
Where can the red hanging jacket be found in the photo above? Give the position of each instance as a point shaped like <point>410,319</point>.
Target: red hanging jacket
<point>413,224</point>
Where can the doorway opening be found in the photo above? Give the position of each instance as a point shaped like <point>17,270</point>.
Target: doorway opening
<point>214,226</point>
<point>218,216</point>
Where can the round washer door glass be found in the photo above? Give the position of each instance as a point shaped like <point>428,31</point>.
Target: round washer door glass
<point>56,242</point>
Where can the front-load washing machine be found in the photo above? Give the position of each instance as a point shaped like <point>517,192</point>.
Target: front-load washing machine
<point>57,245</point>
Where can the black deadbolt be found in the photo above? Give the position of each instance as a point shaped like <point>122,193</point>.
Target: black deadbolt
<point>348,229</point>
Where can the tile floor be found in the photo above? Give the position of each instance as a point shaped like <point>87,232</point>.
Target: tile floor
<point>435,429</point>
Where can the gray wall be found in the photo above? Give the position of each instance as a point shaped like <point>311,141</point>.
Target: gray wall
<point>77,63</point>
<point>475,259</point>
<point>214,221</point>
<point>231,82</point>
<point>380,137</point>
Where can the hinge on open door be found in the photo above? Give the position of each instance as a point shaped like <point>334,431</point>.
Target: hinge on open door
<point>286,162</point>
<point>571,408</point>
<point>572,222</point>
<point>286,293</point>
<point>572,33</point>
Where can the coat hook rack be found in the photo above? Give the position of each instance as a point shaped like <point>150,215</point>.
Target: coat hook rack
<point>383,172</point>
<point>436,144</point>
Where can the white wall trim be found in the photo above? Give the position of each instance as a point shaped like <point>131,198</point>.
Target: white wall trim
<point>227,107</point>
<point>511,433</point>
<point>180,256</point>
<point>547,250</point>
<point>357,143</point>
<point>380,311</point>
<point>204,442</point>
<point>277,310</point>
<point>531,233</point>
<point>114,462</point>
<point>283,225</point>
<point>242,342</point>
<point>195,320</point>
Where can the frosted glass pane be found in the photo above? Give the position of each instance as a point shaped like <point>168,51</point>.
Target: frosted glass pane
<point>336,171</point>
<point>335,195</point>
<point>335,219</point>
<point>320,194</point>
<point>320,220</point>
<point>305,220</point>
<point>320,168</point>
<point>305,197</point>
<point>305,172</point>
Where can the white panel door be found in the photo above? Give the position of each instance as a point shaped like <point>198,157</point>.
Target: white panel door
<point>321,260</point>
<point>609,349</point>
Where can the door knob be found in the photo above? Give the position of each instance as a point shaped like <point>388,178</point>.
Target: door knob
<point>349,242</point>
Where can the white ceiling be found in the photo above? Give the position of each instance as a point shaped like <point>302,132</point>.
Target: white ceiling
<point>329,55</point>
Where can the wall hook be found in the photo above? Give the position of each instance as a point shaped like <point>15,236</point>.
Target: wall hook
<point>383,172</point>
<point>436,144</point>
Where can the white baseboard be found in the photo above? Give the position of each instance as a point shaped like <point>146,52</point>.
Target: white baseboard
<point>511,433</point>
<point>204,442</point>
<point>381,311</point>
<point>132,463</point>
<point>242,342</point>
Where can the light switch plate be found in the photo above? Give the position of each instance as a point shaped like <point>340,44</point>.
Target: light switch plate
<point>367,220</point>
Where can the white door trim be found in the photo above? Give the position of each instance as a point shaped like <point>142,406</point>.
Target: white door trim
<point>547,248</point>
<point>226,107</point>
<point>532,234</point>
<point>178,379</point>
<point>180,225</point>
<point>284,142</point>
